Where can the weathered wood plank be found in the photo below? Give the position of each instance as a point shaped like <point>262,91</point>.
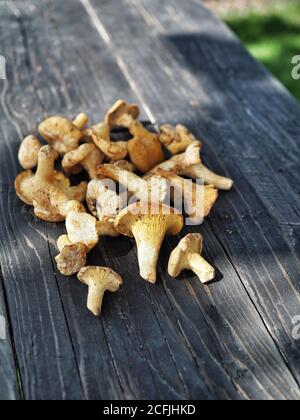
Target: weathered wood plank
<point>42,343</point>
<point>177,340</point>
<point>149,45</point>
<point>8,370</point>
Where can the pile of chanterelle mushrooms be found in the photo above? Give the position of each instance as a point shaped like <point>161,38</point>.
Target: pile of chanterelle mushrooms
<point>91,149</point>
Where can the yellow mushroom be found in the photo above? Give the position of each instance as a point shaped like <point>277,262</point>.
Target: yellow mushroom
<point>47,190</point>
<point>62,134</point>
<point>149,229</point>
<point>99,280</point>
<point>155,189</point>
<point>199,171</point>
<point>28,152</point>
<point>187,256</point>
<point>176,139</point>
<point>72,257</point>
<point>87,156</point>
<point>198,199</point>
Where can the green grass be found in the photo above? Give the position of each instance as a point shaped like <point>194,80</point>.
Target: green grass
<point>273,37</point>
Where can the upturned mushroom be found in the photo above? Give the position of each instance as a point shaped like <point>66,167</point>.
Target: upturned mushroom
<point>187,256</point>
<point>62,134</point>
<point>149,229</point>
<point>200,171</point>
<point>121,114</point>
<point>145,150</point>
<point>28,152</point>
<point>155,189</point>
<point>115,150</point>
<point>82,228</point>
<point>198,199</point>
<point>105,204</point>
<point>176,139</point>
<point>178,163</point>
<point>72,257</point>
<point>87,156</point>
<point>48,191</point>
<point>99,280</point>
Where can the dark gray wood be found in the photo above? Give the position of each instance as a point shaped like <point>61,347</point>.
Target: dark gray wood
<point>178,339</point>
<point>8,369</point>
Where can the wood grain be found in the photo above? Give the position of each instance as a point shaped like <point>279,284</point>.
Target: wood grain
<point>178,339</point>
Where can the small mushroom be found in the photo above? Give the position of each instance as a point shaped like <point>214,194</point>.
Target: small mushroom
<point>82,227</point>
<point>47,191</point>
<point>199,171</point>
<point>155,188</point>
<point>149,229</point>
<point>187,256</point>
<point>176,139</point>
<point>28,152</point>
<point>105,204</point>
<point>178,163</point>
<point>198,199</point>
<point>144,149</point>
<point>115,150</point>
<point>62,134</point>
<point>99,280</point>
<point>81,121</point>
<point>87,155</point>
<point>121,114</point>
<point>72,257</point>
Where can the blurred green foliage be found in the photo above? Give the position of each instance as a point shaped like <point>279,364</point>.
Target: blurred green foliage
<point>273,37</point>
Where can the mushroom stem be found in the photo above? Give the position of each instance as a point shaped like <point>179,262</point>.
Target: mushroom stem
<point>46,162</point>
<point>201,268</point>
<point>81,120</point>
<point>95,298</point>
<point>149,238</point>
<point>200,171</point>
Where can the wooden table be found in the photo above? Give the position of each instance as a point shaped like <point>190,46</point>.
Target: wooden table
<point>231,339</point>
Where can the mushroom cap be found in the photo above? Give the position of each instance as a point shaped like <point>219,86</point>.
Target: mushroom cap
<point>61,133</point>
<point>176,139</point>
<point>82,227</point>
<point>100,276</point>
<point>71,259</point>
<point>190,244</point>
<point>119,109</point>
<point>127,218</point>
<point>28,152</point>
<point>75,157</point>
<point>24,178</point>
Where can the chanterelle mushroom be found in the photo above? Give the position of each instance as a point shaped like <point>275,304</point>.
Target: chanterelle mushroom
<point>105,204</point>
<point>155,189</point>
<point>99,280</point>
<point>87,155</point>
<point>62,134</point>
<point>28,152</point>
<point>187,256</point>
<point>145,150</point>
<point>82,227</point>
<point>148,229</point>
<point>115,150</point>
<point>176,139</point>
<point>178,163</point>
<point>72,257</point>
<point>198,199</point>
<point>48,191</point>
<point>199,171</point>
